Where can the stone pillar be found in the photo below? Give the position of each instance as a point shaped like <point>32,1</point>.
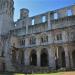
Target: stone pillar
<point>17,55</point>
<point>67,56</point>
<point>57,53</point>
<point>64,36</point>
<point>73,9</point>
<point>71,60</point>
<point>26,53</point>
<point>51,58</point>
<point>26,41</point>
<point>27,23</point>
<point>49,24</point>
<point>38,58</point>
<point>24,57</point>
<point>50,38</point>
<point>37,40</point>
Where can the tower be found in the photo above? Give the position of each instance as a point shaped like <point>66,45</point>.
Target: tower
<point>6,15</point>
<point>24,13</point>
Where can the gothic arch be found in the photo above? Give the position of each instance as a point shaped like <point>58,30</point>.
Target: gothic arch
<point>14,56</point>
<point>44,57</point>
<point>21,56</point>
<point>32,40</point>
<point>44,37</point>
<point>61,59</point>
<point>33,58</point>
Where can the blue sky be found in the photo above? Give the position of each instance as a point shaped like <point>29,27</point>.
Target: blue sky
<point>39,6</point>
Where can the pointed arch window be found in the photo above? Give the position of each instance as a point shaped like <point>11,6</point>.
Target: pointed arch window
<point>44,38</point>
<point>32,40</point>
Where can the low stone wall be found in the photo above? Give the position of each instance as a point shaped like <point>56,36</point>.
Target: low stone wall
<point>33,69</point>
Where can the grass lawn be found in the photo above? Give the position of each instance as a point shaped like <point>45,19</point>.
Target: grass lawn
<point>59,73</point>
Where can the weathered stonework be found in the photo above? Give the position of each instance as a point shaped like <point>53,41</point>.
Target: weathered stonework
<point>40,41</point>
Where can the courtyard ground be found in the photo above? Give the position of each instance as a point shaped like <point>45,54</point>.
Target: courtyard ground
<point>58,73</point>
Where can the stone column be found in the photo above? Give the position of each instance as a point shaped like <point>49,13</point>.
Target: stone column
<point>17,55</point>
<point>37,40</point>
<point>26,41</point>
<point>38,58</point>
<point>50,38</point>
<point>27,22</point>
<point>49,24</point>
<point>26,55</point>
<point>64,36</point>
<point>57,53</point>
<point>51,58</point>
<point>71,60</point>
<point>67,56</point>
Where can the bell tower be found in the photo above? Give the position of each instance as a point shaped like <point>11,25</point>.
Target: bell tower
<point>6,15</point>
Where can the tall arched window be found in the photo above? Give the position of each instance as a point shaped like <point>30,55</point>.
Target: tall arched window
<point>44,57</point>
<point>22,42</point>
<point>33,58</point>
<point>32,40</point>
<point>44,38</point>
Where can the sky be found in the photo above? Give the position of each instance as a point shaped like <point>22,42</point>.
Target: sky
<point>39,6</point>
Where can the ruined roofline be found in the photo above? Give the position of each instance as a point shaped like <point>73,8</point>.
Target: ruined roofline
<point>66,7</point>
<point>54,10</point>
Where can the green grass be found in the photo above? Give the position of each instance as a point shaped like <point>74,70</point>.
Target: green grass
<point>59,73</point>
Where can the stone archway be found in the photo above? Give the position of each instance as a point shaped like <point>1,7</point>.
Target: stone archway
<point>13,56</point>
<point>21,57</point>
<point>61,59</point>
<point>33,58</point>
<point>2,67</point>
<point>44,57</point>
<point>73,58</point>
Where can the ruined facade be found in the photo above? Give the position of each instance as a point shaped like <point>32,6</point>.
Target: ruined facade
<point>44,40</point>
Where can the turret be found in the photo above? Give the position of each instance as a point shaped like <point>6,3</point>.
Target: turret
<point>24,13</point>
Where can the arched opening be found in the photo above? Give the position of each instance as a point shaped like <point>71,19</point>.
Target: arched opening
<point>73,58</point>
<point>44,38</point>
<point>14,56</point>
<point>44,57</point>
<point>32,40</point>
<point>21,57</point>
<point>33,58</point>
<point>3,64</point>
<point>61,58</point>
<point>2,67</point>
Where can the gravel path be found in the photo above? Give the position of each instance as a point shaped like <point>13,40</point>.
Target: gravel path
<point>69,73</point>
